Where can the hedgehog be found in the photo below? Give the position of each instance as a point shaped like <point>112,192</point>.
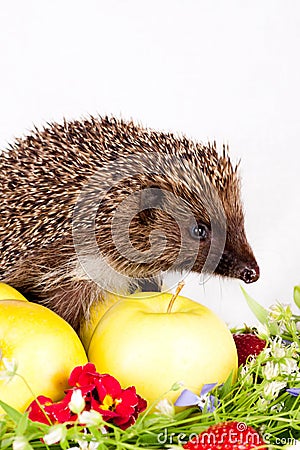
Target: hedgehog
<point>105,205</point>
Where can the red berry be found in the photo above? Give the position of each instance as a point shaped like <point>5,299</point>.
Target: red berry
<point>227,436</point>
<point>248,344</point>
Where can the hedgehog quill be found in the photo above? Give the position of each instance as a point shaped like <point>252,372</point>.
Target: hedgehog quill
<point>106,205</point>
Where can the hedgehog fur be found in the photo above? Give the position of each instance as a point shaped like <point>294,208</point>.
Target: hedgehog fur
<point>103,205</point>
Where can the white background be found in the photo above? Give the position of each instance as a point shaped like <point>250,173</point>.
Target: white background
<point>224,70</point>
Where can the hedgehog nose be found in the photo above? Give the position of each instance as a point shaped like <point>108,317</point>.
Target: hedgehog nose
<point>250,274</point>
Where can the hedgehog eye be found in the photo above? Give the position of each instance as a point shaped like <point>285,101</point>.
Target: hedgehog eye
<point>199,232</point>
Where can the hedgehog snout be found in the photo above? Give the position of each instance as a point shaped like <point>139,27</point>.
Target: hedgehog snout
<point>238,263</point>
<point>249,274</point>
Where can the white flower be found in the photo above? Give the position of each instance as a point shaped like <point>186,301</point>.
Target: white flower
<point>77,403</point>
<point>165,407</point>
<point>246,376</point>
<point>90,418</point>
<point>10,368</point>
<point>278,352</point>
<point>262,404</point>
<point>10,364</point>
<point>263,332</point>
<point>293,350</point>
<point>289,366</point>
<point>56,434</point>
<point>277,349</point>
<point>280,312</point>
<point>275,312</point>
<point>21,443</point>
<point>270,370</point>
<point>86,445</point>
<point>278,407</point>
<point>272,389</point>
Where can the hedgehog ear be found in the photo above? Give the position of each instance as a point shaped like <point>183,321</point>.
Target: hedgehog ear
<point>151,199</point>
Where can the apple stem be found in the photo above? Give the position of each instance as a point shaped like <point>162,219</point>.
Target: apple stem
<point>174,296</point>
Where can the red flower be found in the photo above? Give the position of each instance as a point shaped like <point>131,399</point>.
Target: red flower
<point>128,409</point>
<point>120,406</point>
<point>38,410</point>
<point>101,392</point>
<point>42,409</point>
<point>83,376</point>
<point>60,411</point>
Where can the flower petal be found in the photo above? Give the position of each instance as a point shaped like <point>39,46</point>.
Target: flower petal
<point>142,404</point>
<point>187,398</point>
<point>90,418</point>
<point>20,443</point>
<point>207,388</point>
<point>294,391</point>
<point>211,403</point>
<point>120,423</point>
<point>37,410</point>
<point>124,411</point>
<point>83,375</point>
<point>165,407</point>
<point>111,385</point>
<point>56,434</point>
<point>77,402</point>
<point>60,411</point>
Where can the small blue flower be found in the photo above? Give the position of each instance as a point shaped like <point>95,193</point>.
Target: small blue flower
<point>188,398</point>
<point>294,391</point>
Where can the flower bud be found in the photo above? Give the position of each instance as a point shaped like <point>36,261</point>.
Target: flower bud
<point>272,389</point>
<point>56,434</point>
<point>270,370</point>
<point>90,418</point>
<point>165,407</point>
<point>77,403</point>
<point>21,443</point>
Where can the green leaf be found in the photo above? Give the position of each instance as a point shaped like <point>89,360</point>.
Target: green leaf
<point>297,295</point>
<point>3,428</point>
<point>152,419</point>
<point>259,311</point>
<point>150,438</point>
<point>6,443</point>
<point>22,424</point>
<point>227,386</point>
<point>185,413</point>
<point>11,412</point>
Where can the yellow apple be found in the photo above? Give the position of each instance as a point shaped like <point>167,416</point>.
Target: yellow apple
<point>147,342</point>
<point>9,293</point>
<point>97,310</point>
<point>45,348</point>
